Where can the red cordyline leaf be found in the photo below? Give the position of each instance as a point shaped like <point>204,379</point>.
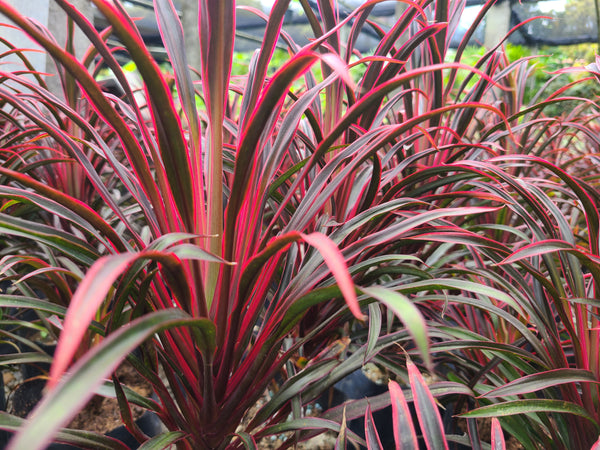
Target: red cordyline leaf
<point>72,393</point>
<point>404,428</point>
<point>273,30</point>
<point>340,67</point>
<point>592,217</point>
<point>427,410</point>
<point>92,91</point>
<point>95,286</point>
<point>75,205</point>
<point>335,261</point>
<point>217,34</point>
<point>371,435</point>
<point>547,246</point>
<point>166,121</point>
<point>171,31</point>
<point>593,68</point>
<point>271,99</point>
<point>497,435</point>
<point>49,270</point>
<point>596,445</point>
<point>86,301</point>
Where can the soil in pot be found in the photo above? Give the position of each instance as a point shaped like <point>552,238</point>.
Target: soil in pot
<point>102,414</point>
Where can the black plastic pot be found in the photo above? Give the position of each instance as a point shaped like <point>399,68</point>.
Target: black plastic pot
<point>356,386</point>
<point>31,370</point>
<point>149,423</point>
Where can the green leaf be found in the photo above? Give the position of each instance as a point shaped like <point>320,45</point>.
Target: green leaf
<point>70,245</point>
<point>205,333</point>
<point>71,212</point>
<point>296,385</point>
<point>247,440</point>
<point>296,311</point>
<point>191,251</point>
<point>306,423</point>
<point>528,406</point>
<point>465,285</point>
<point>16,301</point>
<point>374,330</point>
<point>408,313</point>
<point>25,358</point>
<point>162,441</point>
<point>542,380</point>
<point>107,389</point>
<point>538,249</point>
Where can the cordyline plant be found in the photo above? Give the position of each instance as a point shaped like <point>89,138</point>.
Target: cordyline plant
<point>535,351</point>
<point>218,285</point>
<point>220,235</point>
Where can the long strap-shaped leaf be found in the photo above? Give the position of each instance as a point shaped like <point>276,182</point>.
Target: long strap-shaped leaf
<point>410,315</point>
<point>173,149</point>
<point>371,434</point>
<point>93,92</point>
<point>542,380</point>
<point>171,31</point>
<point>272,32</point>
<point>75,438</point>
<point>217,33</point>
<point>427,410</point>
<point>532,406</point>
<point>497,435</point>
<point>404,428</point>
<point>72,205</point>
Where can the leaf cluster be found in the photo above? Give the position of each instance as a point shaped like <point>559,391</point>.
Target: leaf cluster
<point>276,229</point>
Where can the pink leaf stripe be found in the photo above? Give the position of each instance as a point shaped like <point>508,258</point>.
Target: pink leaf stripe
<point>404,429</point>
<point>497,435</point>
<point>339,67</point>
<point>335,261</point>
<point>85,302</point>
